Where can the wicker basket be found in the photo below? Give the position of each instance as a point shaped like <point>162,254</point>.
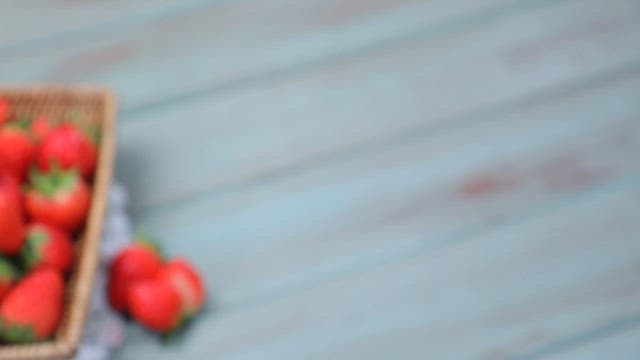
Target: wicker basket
<point>99,106</point>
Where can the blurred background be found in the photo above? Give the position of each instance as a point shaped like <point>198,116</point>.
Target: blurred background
<point>360,179</point>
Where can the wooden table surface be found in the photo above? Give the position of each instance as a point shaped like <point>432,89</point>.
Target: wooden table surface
<point>388,179</point>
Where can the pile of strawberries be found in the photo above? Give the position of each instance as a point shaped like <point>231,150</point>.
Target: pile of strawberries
<point>161,295</point>
<point>46,172</point>
<point>46,169</point>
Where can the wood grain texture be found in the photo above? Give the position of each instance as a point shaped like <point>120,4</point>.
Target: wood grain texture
<point>278,235</point>
<point>23,26</point>
<point>620,342</point>
<point>374,179</point>
<point>522,286</point>
<point>275,128</point>
<point>218,46</point>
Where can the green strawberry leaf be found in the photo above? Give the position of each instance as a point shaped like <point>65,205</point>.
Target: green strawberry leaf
<point>22,122</point>
<point>33,248</point>
<point>148,242</point>
<point>178,333</point>
<point>55,181</point>
<point>79,120</point>
<point>8,271</point>
<point>185,323</point>
<point>14,333</point>
<point>22,126</point>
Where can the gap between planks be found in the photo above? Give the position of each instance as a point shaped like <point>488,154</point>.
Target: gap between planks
<point>620,341</point>
<point>611,329</point>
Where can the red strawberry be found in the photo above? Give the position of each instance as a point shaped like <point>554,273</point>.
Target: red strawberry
<point>11,186</point>
<point>41,127</point>
<point>32,310</point>
<point>187,282</point>
<point>16,150</point>
<point>47,246</point>
<point>5,110</point>
<point>8,276</point>
<point>11,222</point>
<point>69,147</point>
<point>155,304</point>
<point>139,261</point>
<point>60,198</point>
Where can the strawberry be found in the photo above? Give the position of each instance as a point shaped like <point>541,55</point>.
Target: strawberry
<point>40,127</point>
<point>32,309</point>
<point>11,186</point>
<point>11,221</point>
<point>60,198</point>
<point>16,150</point>
<point>47,246</point>
<point>5,110</point>
<point>68,146</point>
<point>139,261</point>
<point>8,276</point>
<point>155,304</point>
<point>187,282</point>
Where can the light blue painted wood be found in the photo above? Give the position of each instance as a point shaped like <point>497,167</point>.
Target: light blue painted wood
<point>237,42</point>
<point>374,178</point>
<point>23,26</point>
<point>275,240</point>
<point>276,128</point>
<point>276,236</point>
<point>527,284</point>
<point>619,344</point>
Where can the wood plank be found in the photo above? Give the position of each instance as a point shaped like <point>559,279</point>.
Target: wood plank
<point>622,342</point>
<point>275,128</point>
<point>237,40</point>
<point>23,26</point>
<point>275,235</point>
<point>542,278</point>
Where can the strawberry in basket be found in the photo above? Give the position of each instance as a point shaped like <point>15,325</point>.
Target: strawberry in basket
<point>12,227</point>
<point>59,197</point>
<point>69,146</point>
<point>45,246</point>
<point>5,110</point>
<point>32,309</point>
<point>17,149</point>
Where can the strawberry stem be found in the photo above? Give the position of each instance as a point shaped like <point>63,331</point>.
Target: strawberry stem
<point>78,119</point>
<point>147,241</point>
<point>7,270</point>
<point>32,249</point>
<point>56,180</point>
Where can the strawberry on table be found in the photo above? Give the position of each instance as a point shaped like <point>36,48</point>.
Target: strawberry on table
<point>47,246</point>
<point>68,146</point>
<point>17,150</point>
<point>33,308</point>
<point>155,304</point>
<point>12,225</point>
<point>60,198</point>
<point>187,282</point>
<point>8,276</point>
<point>137,262</point>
